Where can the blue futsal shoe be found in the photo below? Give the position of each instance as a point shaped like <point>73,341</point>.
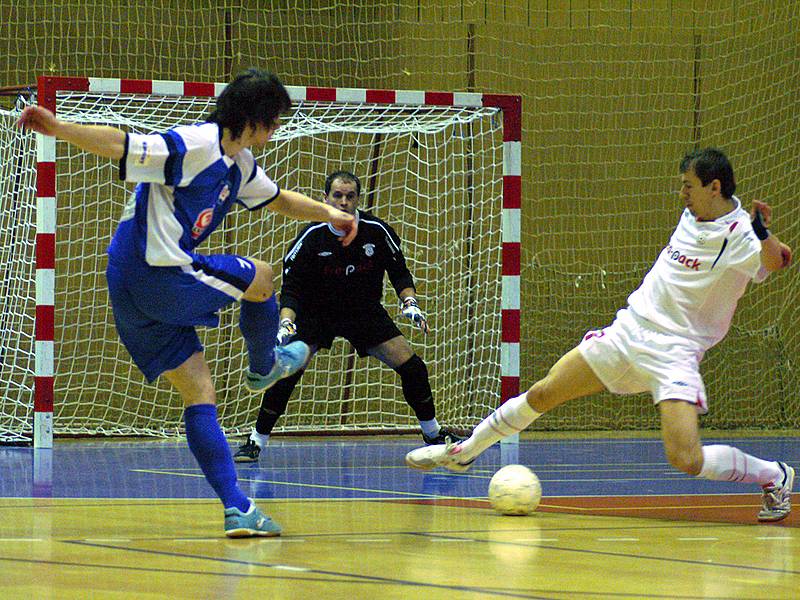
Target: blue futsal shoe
<point>288,360</point>
<point>250,524</point>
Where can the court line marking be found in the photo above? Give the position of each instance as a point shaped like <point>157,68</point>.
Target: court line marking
<point>646,508</point>
<point>636,556</point>
<point>64,563</point>
<point>336,574</point>
<point>304,485</point>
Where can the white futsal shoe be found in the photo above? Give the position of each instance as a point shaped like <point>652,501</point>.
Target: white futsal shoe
<point>777,501</point>
<point>441,455</point>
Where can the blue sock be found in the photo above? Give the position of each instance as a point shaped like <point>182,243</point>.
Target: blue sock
<point>210,449</point>
<point>259,323</point>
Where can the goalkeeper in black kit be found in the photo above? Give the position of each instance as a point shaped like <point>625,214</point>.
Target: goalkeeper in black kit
<point>330,291</point>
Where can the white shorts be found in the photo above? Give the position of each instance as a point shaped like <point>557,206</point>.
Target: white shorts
<point>632,355</point>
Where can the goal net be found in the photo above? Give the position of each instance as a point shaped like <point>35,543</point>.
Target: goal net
<point>435,172</point>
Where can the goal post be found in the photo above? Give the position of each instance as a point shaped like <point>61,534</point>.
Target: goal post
<point>443,168</point>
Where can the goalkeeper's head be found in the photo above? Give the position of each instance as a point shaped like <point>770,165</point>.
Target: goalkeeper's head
<point>342,191</point>
<point>255,97</point>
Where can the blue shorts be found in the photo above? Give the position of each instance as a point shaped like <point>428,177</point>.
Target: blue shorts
<point>156,309</point>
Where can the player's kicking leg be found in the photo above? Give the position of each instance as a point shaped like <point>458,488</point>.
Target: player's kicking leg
<point>571,377</point>
<point>258,322</point>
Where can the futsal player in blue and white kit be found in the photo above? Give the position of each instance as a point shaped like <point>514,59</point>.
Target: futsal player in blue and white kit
<point>160,288</point>
<point>683,307</point>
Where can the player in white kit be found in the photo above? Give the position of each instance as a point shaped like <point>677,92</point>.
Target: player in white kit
<point>683,307</point>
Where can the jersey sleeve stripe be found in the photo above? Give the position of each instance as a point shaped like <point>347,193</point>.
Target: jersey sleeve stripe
<point>261,204</point>
<point>253,172</point>
<point>173,166</point>
<point>299,240</point>
<point>123,161</point>
<point>389,238</point>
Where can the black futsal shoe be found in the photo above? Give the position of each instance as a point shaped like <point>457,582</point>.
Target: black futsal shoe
<point>247,452</point>
<point>444,436</point>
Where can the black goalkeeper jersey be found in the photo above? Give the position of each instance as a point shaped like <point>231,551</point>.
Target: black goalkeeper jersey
<point>322,276</point>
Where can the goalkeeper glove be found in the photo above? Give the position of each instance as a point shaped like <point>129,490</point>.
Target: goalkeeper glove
<point>286,332</point>
<point>410,309</point>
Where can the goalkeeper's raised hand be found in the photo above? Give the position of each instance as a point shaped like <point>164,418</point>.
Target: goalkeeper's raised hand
<point>412,311</point>
<point>286,332</point>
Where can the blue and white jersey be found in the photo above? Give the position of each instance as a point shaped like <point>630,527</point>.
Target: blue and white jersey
<point>186,186</point>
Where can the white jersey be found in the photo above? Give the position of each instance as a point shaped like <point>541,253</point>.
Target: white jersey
<point>694,286</point>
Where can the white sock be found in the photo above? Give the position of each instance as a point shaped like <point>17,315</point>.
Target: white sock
<point>512,417</point>
<point>260,439</point>
<point>430,428</point>
<point>726,463</point>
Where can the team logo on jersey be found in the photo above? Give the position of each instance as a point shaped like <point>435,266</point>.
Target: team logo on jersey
<point>324,253</point>
<point>202,222</point>
<point>144,157</point>
<point>682,259</point>
<point>369,249</point>
<point>223,194</point>
<point>701,239</point>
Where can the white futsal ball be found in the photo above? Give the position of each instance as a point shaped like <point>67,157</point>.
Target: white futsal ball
<point>515,490</point>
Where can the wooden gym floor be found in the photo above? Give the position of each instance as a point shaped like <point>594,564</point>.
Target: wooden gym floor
<point>137,520</point>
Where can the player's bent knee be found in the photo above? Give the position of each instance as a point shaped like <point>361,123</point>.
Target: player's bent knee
<point>687,460</point>
<point>416,387</point>
<point>262,286</point>
<point>542,396</point>
<point>413,368</point>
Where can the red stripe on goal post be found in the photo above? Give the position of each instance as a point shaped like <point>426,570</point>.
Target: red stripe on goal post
<point>321,94</point>
<point>512,191</point>
<point>136,86</point>
<point>509,387</point>
<point>511,258</point>
<point>43,394</point>
<point>381,96</point>
<point>45,250</point>
<point>512,114</point>
<point>47,86</point>
<point>44,328</point>
<point>439,98</point>
<point>510,325</point>
<point>45,180</point>
<point>193,88</point>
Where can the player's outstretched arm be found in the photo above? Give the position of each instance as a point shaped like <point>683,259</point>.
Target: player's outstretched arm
<point>411,310</point>
<point>775,255</point>
<point>301,207</point>
<point>98,139</point>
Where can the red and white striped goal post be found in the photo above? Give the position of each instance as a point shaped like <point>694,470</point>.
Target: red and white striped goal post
<point>49,86</point>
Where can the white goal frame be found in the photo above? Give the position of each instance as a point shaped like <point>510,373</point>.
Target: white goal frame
<point>47,194</point>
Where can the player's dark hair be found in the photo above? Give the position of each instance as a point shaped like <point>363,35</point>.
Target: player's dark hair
<point>254,97</point>
<point>345,176</point>
<point>710,164</point>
